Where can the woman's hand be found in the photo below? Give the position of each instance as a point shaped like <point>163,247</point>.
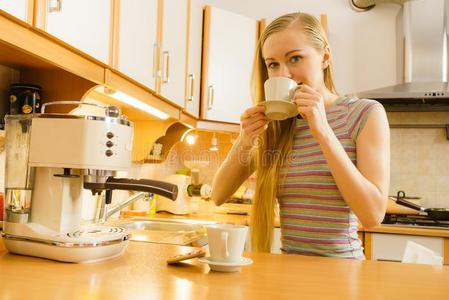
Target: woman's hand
<point>252,123</point>
<point>310,105</point>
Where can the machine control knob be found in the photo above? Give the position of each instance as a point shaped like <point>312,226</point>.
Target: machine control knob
<point>110,135</point>
<point>113,111</point>
<point>109,152</point>
<point>109,144</point>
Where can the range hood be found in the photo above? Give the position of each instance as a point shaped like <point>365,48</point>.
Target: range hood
<point>425,58</point>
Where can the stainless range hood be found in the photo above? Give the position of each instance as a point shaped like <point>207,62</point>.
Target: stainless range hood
<point>425,59</point>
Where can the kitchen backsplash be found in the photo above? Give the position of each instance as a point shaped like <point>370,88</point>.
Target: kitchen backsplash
<point>198,152</point>
<point>420,157</point>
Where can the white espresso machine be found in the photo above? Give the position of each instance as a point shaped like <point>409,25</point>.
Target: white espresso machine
<point>50,158</point>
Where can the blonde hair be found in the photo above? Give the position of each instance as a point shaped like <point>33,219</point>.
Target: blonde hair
<point>275,143</point>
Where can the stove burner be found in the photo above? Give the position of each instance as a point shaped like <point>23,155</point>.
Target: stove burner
<point>413,220</point>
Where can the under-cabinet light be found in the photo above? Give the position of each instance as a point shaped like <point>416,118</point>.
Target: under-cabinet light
<point>125,98</point>
<point>214,143</point>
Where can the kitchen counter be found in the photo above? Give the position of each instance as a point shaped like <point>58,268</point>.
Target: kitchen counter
<point>142,273</point>
<point>212,217</point>
<point>243,219</point>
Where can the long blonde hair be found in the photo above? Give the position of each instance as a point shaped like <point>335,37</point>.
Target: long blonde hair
<point>274,144</point>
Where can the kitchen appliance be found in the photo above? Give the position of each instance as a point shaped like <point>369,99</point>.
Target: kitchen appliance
<point>423,41</point>
<point>23,99</point>
<point>412,214</point>
<point>417,221</point>
<point>50,158</point>
<point>182,205</point>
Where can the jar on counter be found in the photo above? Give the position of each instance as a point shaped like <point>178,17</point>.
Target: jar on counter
<point>24,98</point>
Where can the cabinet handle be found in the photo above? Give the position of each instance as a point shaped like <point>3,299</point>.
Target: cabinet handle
<point>210,95</point>
<point>54,6</point>
<point>155,55</point>
<point>390,260</point>
<point>166,67</point>
<point>191,87</point>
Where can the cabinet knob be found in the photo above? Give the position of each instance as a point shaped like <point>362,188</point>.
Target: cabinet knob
<point>210,97</point>
<point>54,6</point>
<point>165,67</point>
<point>191,86</point>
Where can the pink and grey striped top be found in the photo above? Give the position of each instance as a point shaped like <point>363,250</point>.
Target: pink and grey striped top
<point>315,219</point>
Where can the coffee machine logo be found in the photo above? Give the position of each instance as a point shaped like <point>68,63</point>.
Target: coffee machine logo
<point>26,109</point>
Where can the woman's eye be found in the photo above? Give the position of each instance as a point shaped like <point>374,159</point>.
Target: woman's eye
<point>295,58</point>
<point>272,65</point>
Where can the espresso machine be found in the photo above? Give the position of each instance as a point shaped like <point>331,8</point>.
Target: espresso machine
<point>50,158</point>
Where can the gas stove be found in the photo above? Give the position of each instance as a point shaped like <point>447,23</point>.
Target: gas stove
<point>418,221</point>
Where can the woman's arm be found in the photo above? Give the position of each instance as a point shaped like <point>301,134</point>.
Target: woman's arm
<point>239,164</point>
<point>236,168</point>
<point>365,186</point>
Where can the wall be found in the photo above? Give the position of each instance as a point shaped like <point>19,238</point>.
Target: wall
<point>419,158</point>
<point>363,44</point>
<point>367,55</point>
<point>198,152</point>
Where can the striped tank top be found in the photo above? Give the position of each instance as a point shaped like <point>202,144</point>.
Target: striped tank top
<point>314,217</point>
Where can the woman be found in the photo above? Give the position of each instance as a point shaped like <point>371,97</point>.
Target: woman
<point>327,169</point>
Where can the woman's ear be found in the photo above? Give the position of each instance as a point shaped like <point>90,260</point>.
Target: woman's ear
<point>327,57</point>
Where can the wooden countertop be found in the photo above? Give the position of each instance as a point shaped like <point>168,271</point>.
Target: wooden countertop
<point>213,217</point>
<point>243,219</point>
<point>410,230</point>
<point>141,273</point>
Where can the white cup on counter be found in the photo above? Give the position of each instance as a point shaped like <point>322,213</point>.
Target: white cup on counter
<point>226,242</point>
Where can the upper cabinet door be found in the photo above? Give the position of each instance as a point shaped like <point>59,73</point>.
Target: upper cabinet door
<point>173,55</point>
<point>195,43</point>
<point>228,49</point>
<point>17,8</point>
<point>137,50</point>
<point>84,24</point>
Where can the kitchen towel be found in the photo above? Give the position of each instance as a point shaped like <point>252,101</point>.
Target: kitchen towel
<point>418,254</point>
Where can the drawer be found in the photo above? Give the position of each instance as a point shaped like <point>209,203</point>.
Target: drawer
<point>391,247</point>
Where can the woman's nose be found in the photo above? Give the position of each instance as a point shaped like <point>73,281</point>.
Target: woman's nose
<point>284,71</point>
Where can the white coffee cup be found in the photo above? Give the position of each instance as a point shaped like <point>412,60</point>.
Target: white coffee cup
<point>226,242</point>
<point>279,88</point>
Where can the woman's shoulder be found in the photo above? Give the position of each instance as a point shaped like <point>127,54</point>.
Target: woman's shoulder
<point>356,106</point>
<point>353,101</point>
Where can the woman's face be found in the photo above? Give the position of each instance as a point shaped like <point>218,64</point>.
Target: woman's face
<point>288,53</point>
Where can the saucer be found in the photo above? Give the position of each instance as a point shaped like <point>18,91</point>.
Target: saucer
<point>226,266</point>
<point>279,109</point>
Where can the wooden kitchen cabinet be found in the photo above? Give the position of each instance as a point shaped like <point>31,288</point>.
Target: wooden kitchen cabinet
<point>84,24</point>
<point>194,48</point>
<point>228,50</point>
<point>391,247</point>
<point>21,9</point>
<point>137,41</point>
<point>152,47</point>
<point>173,51</point>
<point>388,243</point>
